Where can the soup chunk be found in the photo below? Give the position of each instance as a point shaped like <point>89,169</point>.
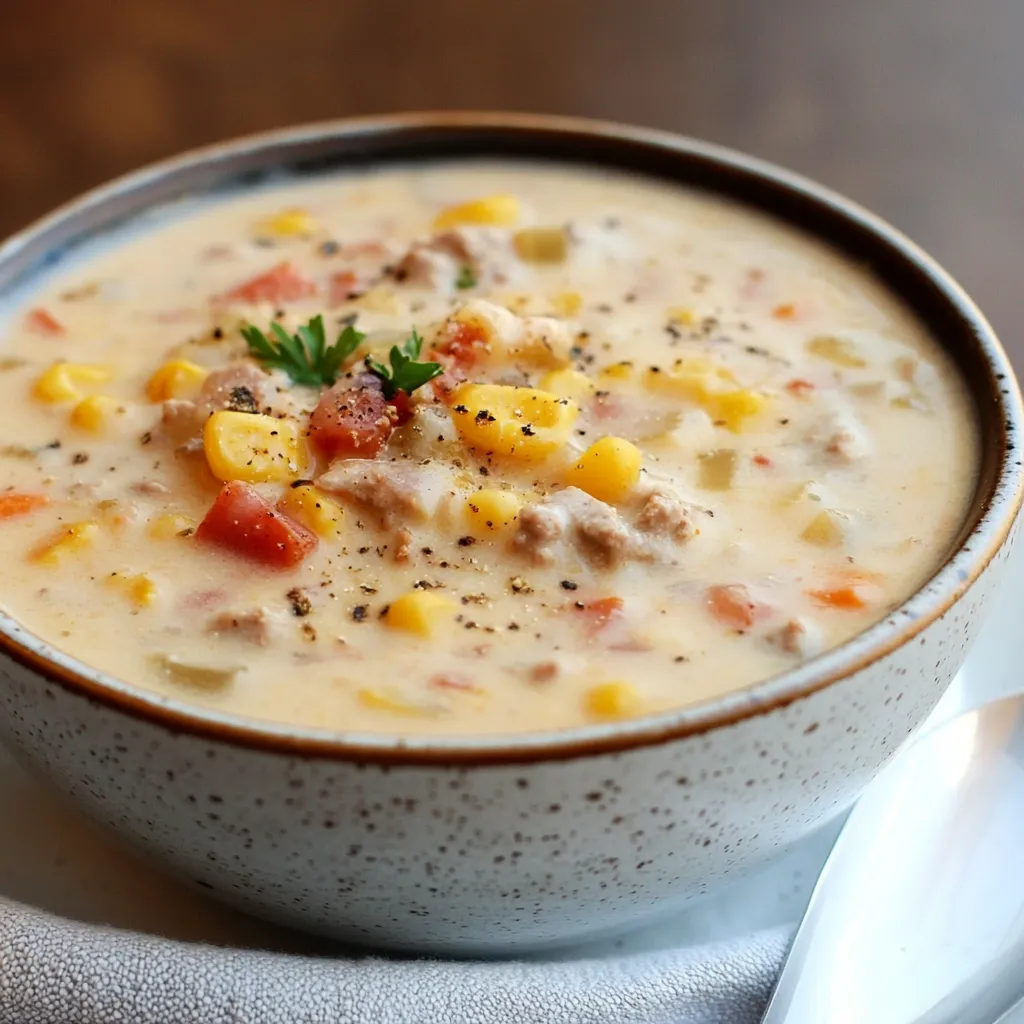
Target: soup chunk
<point>468,448</point>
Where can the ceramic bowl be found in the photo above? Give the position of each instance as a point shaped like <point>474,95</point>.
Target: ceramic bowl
<point>487,845</point>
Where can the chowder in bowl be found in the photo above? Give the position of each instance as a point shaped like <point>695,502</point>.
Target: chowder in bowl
<point>470,532</point>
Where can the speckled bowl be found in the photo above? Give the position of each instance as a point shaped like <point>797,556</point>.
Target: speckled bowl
<point>485,845</point>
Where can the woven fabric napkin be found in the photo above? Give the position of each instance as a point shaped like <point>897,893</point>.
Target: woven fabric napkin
<point>56,971</point>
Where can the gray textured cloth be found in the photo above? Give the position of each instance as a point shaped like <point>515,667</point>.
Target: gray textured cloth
<point>55,971</point>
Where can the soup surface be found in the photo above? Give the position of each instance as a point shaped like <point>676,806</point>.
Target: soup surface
<point>563,447</point>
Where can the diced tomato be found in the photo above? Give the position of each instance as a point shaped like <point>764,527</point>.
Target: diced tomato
<point>733,606</point>
<point>845,598</point>
<point>401,403</point>
<point>342,287</point>
<point>600,613</point>
<point>351,420</point>
<point>241,520</point>
<point>12,505</point>
<point>43,322</point>
<point>763,461</point>
<point>461,346</point>
<point>787,311</point>
<point>799,388</point>
<point>282,283</point>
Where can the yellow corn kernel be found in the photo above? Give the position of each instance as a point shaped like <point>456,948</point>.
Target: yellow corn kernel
<point>608,470</point>
<point>827,529</point>
<point>499,210</point>
<point>378,701</point>
<point>139,588</point>
<point>420,611</point>
<point>568,384</point>
<point>617,371</point>
<point>168,525</point>
<point>566,303</point>
<point>294,223</point>
<point>612,700</point>
<point>492,510</point>
<point>838,351</point>
<point>95,413</point>
<point>70,540</point>
<point>177,378</point>
<point>716,469</point>
<point>681,315</point>
<point>695,379</point>
<point>251,447</point>
<point>62,381</point>
<point>523,423</point>
<point>314,509</point>
<point>733,408</point>
<point>541,245</point>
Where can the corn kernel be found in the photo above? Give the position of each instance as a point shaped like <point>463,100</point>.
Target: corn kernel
<point>177,378</point>
<point>734,408</point>
<point>95,413</point>
<point>681,315</point>
<point>541,245</point>
<point>566,303</point>
<point>420,611</point>
<point>139,588</point>
<point>827,529</point>
<point>523,423</point>
<point>168,525</point>
<point>379,701</point>
<point>492,510</point>
<point>72,539</point>
<point>251,447</point>
<point>61,381</point>
<point>314,509</point>
<point>617,371</point>
<point>608,470</point>
<point>294,223</point>
<point>499,210</point>
<point>612,700</point>
<point>838,351</point>
<point>695,379</point>
<point>568,384</point>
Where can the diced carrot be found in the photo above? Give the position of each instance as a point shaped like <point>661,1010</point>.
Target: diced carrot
<point>455,681</point>
<point>787,311</point>
<point>846,598</point>
<point>461,346</point>
<point>12,505</point>
<point>601,612</point>
<point>342,287</point>
<point>799,388</point>
<point>733,606</point>
<point>43,322</point>
<point>763,461</point>
<point>282,283</point>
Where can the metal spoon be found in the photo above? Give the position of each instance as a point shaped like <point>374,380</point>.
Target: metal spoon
<point>918,916</point>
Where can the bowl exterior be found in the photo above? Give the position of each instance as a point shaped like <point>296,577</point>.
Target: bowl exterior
<point>488,858</point>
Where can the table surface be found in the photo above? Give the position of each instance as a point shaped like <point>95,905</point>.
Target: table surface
<point>912,107</point>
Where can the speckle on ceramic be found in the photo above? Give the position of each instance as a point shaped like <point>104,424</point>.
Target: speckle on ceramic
<point>487,847</point>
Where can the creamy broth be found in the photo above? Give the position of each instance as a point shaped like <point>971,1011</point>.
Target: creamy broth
<point>784,454</point>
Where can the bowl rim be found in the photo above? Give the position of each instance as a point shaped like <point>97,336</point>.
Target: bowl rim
<point>217,164</point>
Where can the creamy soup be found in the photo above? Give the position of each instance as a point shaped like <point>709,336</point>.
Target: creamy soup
<point>469,448</point>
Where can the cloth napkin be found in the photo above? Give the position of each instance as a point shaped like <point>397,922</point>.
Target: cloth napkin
<point>56,971</point>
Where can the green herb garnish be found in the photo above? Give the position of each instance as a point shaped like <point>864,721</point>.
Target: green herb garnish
<point>305,355</point>
<point>466,278</point>
<point>404,373</point>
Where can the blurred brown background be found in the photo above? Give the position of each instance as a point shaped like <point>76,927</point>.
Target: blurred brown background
<point>914,107</point>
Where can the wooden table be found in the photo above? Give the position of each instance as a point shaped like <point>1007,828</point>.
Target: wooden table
<point>913,107</point>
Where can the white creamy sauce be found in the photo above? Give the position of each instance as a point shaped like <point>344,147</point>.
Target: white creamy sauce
<point>806,453</point>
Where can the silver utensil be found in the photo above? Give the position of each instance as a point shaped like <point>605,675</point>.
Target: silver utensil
<point>918,916</point>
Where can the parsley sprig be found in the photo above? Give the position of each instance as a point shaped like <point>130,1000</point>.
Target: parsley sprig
<point>404,373</point>
<point>305,355</point>
<point>307,358</point>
